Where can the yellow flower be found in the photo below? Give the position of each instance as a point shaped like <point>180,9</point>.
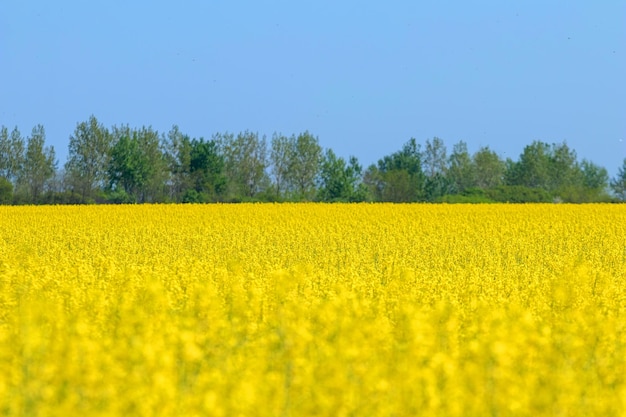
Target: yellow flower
<point>313,309</point>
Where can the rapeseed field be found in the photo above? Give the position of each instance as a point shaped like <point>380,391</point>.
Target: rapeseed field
<point>313,310</point>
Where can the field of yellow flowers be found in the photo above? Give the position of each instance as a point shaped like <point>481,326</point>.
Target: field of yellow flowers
<point>309,309</point>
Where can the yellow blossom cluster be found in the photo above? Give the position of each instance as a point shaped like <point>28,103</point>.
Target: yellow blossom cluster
<point>313,310</point>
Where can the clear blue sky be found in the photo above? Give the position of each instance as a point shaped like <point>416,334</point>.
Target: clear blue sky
<point>363,76</point>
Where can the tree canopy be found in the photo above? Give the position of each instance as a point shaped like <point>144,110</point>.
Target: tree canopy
<point>123,164</point>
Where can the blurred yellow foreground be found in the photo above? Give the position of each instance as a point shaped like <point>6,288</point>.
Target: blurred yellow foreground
<point>313,310</point>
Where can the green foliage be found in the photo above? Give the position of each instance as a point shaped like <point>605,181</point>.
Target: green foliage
<point>437,186</point>
<point>594,177</point>
<point>434,158</point>
<point>408,159</point>
<point>398,177</point>
<point>73,198</point>
<point>460,168</point>
<point>463,199</point>
<point>618,184</point>
<point>518,194</point>
<point>39,166</point>
<point>206,168</point>
<point>472,195</point>
<point>395,186</point>
<point>128,168</point>
<point>6,191</point>
<point>564,170</point>
<point>532,169</point>
<point>193,196</point>
<point>435,164</point>
<point>88,159</point>
<point>341,181</point>
<point>245,164</point>
<point>305,166</point>
<point>488,169</point>
<point>120,196</point>
<point>12,154</point>
<point>177,153</point>
<point>281,159</point>
<point>123,165</point>
<point>137,164</point>
<point>555,170</point>
<point>296,164</point>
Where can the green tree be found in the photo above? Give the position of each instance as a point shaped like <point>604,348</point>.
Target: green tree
<point>533,167</point>
<point>460,168</point>
<point>88,158</point>
<point>296,164</point>
<point>152,146</point>
<point>408,159</point>
<point>5,151</point>
<point>178,156</point>
<point>340,180</point>
<point>595,181</point>
<point>565,173</point>
<point>281,159</point>
<point>434,158</point>
<point>435,163</point>
<point>305,166</point>
<point>595,177</point>
<point>518,194</point>
<point>618,183</point>
<point>488,168</point>
<point>138,166</point>
<point>245,162</point>
<point>590,184</point>
<point>39,165</point>
<point>128,167</point>
<point>398,187</point>
<point>397,177</point>
<point>437,186</point>
<point>206,167</point>
<point>12,155</point>
<point>6,191</point>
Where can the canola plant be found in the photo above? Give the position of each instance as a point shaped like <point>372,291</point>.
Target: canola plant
<point>313,310</point>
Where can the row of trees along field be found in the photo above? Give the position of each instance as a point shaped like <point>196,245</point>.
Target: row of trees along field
<point>129,165</point>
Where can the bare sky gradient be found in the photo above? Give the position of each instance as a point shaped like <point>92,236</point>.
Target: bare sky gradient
<point>363,76</point>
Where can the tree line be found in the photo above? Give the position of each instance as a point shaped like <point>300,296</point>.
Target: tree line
<point>123,164</point>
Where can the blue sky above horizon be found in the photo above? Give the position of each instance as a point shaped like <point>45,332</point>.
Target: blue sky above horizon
<point>363,76</point>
